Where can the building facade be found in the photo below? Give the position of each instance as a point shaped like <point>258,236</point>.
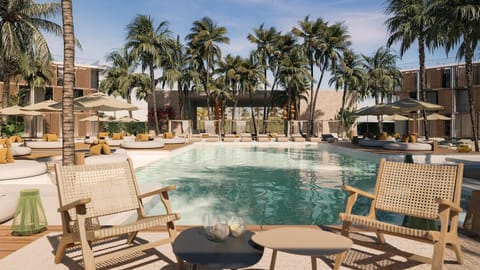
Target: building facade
<point>86,82</point>
<point>446,85</point>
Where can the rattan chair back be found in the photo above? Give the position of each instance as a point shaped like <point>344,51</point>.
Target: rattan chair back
<point>112,187</point>
<point>411,188</point>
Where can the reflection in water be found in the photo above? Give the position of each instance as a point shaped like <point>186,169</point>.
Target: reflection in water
<point>268,185</point>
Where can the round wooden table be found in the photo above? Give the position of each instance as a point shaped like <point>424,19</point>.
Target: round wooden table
<point>193,246</point>
<point>304,241</point>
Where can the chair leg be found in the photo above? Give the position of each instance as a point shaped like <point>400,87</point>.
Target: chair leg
<point>346,228</point>
<point>438,255</point>
<point>131,237</point>
<point>380,237</point>
<point>62,246</point>
<point>458,250</point>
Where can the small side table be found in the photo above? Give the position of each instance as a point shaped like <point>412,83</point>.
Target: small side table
<point>29,217</point>
<point>304,241</point>
<point>193,246</point>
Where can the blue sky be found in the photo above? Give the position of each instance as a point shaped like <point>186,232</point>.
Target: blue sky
<point>100,25</point>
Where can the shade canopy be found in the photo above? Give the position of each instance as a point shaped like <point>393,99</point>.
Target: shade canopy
<point>95,118</point>
<point>396,117</point>
<point>411,104</point>
<point>436,116</point>
<point>379,109</point>
<point>17,110</point>
<point>99,102</point>
<point>44,106</point>
<point>126,119</point>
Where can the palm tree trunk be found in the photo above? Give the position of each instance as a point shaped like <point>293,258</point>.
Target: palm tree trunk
<point>6,91</point>
<point>154,99</point>
<point>310,114</point>
<point>265,113</point>
<point>68,126</point>
<point>254,133</point>
<point>129,101</point>
<point>422,82</point>
<point>468,71</point>
<point>314,101</point>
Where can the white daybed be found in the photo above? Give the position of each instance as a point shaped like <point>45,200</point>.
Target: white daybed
<point>22,169</point>
<point>8,201</point>
<point>375,143</point>
<point>408,146</point>
<point>21,151</point>
<point>142,145</point>
<point>120,155</point>
<point>175,140</point>
<point>45,145</point>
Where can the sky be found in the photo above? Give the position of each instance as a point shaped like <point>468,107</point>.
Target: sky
<point>100,25</point>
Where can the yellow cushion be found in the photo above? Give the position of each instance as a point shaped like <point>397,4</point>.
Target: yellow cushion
<point>96,150</point>
<point>168,135</point>
<point>381,136</point>
<point>142,137</point>
<point>3,142</point>
<point>45,137</point>
<point>412,138</point>
<point>15,138</point>
<point>405,138</point>
<point>52,137</point>
<point>102,135</point>
<point>9,155</point>
<point>3,155</point>
<point>105,149</point>
<point>117,136</point>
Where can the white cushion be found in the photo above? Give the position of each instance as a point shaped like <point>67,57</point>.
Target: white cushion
<point>142,145</point>
<point>374,143</point>
<point>9,204</point>
<point>408,146</point>
<point>118,156</point>
<point>22,169</point>
<point>174,140</point>
<point>45,145</point>
<point>21,150</point>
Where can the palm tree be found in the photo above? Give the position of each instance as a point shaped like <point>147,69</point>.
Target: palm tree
<point>149,45</point>
<point>120,79</point>
<point>20,26</point>
<point>251,76</point>
<point>68,126</point>
<point>230,77</point>
<point>294,77</point>
<point>203,46</point>
<point>36,72</point>
<point>265,40</point>
<point>349,75</point>
<point>332,44</point>
<point>382,75</point>
<point>410,21</point>
<point>311,33</point>
<point>459,20</point>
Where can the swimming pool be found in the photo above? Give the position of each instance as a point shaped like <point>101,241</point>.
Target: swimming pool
<point>268,184</point>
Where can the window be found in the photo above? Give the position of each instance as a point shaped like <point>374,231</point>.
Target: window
<point>413,95</point>
<point>77,93</point>
<point>461,100</point>
<point>432,97</point>
<point>48,93</point>
<point>94,78</point>
<point>446,78</point>
<point>59,75</point>
<point>476,75</point>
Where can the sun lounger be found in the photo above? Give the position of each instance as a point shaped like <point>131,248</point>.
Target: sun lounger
<point>245,137</point>
<point>297,137</point>
<point>263,138</point>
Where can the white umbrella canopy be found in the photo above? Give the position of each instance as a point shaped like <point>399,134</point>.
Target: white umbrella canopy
<point>99,102</point>
<point>411,104</point>
<point>44,106</point>
<point>96,118</point>
<point>126,119</point>
<point>17,110</point>
<point>379,109</point>
<point>396,117</point>
<point>436,116</point>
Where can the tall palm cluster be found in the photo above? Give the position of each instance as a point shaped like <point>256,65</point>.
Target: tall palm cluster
<point>432,24</point>
<point>289,67</point>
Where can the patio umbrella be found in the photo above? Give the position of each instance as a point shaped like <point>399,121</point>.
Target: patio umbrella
<point>99,102</point>
<point>96,118</point>
<point>436,116</point>
<point>411,104</point>
<point>125,119</point>
<point>16,111</point>
<point>396,117</point>
<point>379,109</point>
<point>44,106</point>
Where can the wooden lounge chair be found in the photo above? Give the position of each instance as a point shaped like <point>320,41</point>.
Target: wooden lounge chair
<point>87,192</point>
<point>425,191</point>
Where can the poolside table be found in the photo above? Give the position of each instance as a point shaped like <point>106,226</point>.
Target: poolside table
<point>193,246</point>
<point>304,241</point>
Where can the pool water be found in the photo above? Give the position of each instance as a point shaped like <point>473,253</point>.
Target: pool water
<point>267,184</point>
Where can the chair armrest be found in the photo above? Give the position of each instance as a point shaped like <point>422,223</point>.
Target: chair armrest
<point>74,204</point>
<point>360,192</point>
<point>450,204</point>
<point>157,191</point>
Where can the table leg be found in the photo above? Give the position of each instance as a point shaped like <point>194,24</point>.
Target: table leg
<point>274,258</point>
<point>314,262</point>
<point>181,264</point>
<point>338,260</point>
